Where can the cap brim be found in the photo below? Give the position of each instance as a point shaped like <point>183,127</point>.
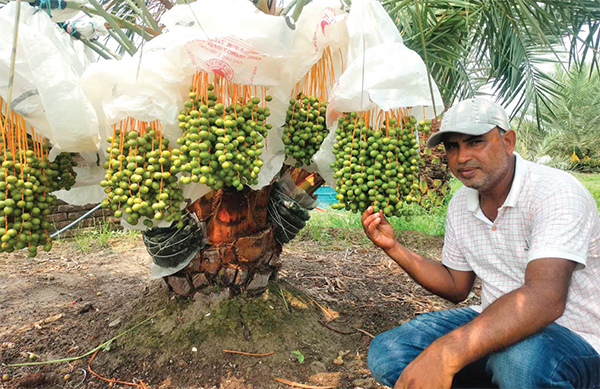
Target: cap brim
<point>469,129</point>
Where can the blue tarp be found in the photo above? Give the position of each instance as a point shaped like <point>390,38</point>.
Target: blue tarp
<point>326,196</point>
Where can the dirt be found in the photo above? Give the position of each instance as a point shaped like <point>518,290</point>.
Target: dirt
<point>317,319</point>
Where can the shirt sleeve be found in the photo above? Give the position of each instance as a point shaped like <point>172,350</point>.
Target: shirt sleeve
<point>562,225</point>
<point>452,255</point>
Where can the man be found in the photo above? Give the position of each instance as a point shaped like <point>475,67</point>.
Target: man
<point>532,235</point>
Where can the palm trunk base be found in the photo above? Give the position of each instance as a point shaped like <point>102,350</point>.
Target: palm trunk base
<point>246,266</point>
<point>242,255</point>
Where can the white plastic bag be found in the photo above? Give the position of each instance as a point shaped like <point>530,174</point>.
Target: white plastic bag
<point>231,38</point>
<point>393,76</point>
<point>155,83</point>
<point>321,25</point>
<point>88,27</point>
<point>46,90</point>
<point>228,37</point>
<point>382,71</point>
<point>325,156</point>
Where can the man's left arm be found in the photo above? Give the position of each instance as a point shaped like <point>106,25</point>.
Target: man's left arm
<point>511,318</point>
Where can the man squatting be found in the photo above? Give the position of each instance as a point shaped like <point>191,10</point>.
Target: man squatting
<point>532,235</point>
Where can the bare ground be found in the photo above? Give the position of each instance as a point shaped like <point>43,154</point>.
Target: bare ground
<point>326,304</point>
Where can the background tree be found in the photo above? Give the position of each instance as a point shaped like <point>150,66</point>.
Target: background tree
<point>471,43</point>
<point>573,124</point>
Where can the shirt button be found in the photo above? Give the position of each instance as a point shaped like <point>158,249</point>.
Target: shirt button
<point>494,228</point>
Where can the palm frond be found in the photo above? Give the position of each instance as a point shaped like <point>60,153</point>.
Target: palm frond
<point>445,31</point>
<point>507,43</point>
<point>574,123</point>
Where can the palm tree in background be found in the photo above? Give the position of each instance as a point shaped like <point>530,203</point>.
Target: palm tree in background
<point>574,123</point>
<point>506,44</point>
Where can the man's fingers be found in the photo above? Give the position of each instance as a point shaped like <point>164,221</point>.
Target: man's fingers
<point>366,214</point>
<point>367,221</point>
<point>373,225</point>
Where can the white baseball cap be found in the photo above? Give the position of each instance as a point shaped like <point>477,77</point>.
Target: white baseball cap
<point>474,116</point>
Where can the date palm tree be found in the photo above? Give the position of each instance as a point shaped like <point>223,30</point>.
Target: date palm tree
<point>574,124</point>
<point>466,44</point>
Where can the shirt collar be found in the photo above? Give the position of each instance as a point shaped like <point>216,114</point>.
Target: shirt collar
<point>515,189</point>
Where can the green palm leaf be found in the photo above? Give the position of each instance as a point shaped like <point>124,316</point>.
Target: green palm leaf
<point>505,43</point>
<point>573,124</point>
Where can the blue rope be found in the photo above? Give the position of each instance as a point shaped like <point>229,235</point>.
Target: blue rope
<point>46,4</point>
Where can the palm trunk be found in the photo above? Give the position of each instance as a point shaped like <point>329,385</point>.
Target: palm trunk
<point>241,254</point>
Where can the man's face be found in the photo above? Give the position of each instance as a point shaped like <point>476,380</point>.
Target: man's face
<point>480,162</point>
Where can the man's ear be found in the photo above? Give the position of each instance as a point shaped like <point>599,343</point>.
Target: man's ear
<point>510,140</point>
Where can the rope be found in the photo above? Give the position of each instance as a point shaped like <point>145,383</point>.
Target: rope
<point>46,4</point>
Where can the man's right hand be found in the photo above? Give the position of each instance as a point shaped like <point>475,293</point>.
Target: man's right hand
<point>378,229</point>
<point>453,285</point>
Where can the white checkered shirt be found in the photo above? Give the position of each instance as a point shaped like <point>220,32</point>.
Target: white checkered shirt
<point>547,214</point>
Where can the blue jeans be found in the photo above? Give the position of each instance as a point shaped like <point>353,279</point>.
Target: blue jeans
<point>554,357</point>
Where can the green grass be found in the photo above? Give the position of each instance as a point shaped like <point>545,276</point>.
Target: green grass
<point>345,226</point>
<point>98,238</point>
